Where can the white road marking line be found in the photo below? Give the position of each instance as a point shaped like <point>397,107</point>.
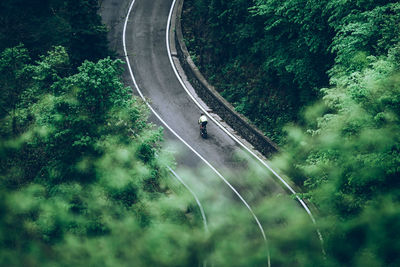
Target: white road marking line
<point>180,138</point>
<point>203,215</point>
<point>231,135</point>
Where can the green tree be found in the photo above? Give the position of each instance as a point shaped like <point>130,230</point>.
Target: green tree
<point>270,58</point>
<point>267,58</point>
<point>84,182</point>
<point>14,77</point>
<point>348,162</point>
<point>73,24</point>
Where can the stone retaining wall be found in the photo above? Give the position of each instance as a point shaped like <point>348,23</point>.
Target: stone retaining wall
<point>212,98</point>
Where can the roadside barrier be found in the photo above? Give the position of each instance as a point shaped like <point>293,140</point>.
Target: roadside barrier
<point>214,100</point>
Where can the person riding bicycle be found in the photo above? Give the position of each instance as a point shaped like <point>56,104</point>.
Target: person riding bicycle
<point>203,120</point>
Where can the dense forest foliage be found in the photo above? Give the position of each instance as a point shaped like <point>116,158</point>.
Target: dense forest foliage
<point>80,174</point>
<point>273,59</point>
<point>83,181</point>
<point>41,24</point>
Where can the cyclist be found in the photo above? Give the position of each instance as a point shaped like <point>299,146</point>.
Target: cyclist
<point>203,120</point>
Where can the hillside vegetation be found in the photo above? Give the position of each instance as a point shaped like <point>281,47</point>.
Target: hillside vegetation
<point>323,79</point>
<point>83,180</point>
<point>270,58</point>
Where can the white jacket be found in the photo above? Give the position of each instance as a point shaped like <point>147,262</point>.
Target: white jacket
<point>202,119</point>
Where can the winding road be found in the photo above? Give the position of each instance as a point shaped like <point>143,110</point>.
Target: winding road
<point>210,168</point>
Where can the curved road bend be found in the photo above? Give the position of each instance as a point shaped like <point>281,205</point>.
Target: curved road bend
<point>147,51</point>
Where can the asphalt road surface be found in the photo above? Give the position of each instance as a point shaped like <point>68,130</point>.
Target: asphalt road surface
<point>148,57</point>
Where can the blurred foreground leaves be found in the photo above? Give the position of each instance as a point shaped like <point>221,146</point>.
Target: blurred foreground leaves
<point>347,159</point>
<point>81,182</point>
